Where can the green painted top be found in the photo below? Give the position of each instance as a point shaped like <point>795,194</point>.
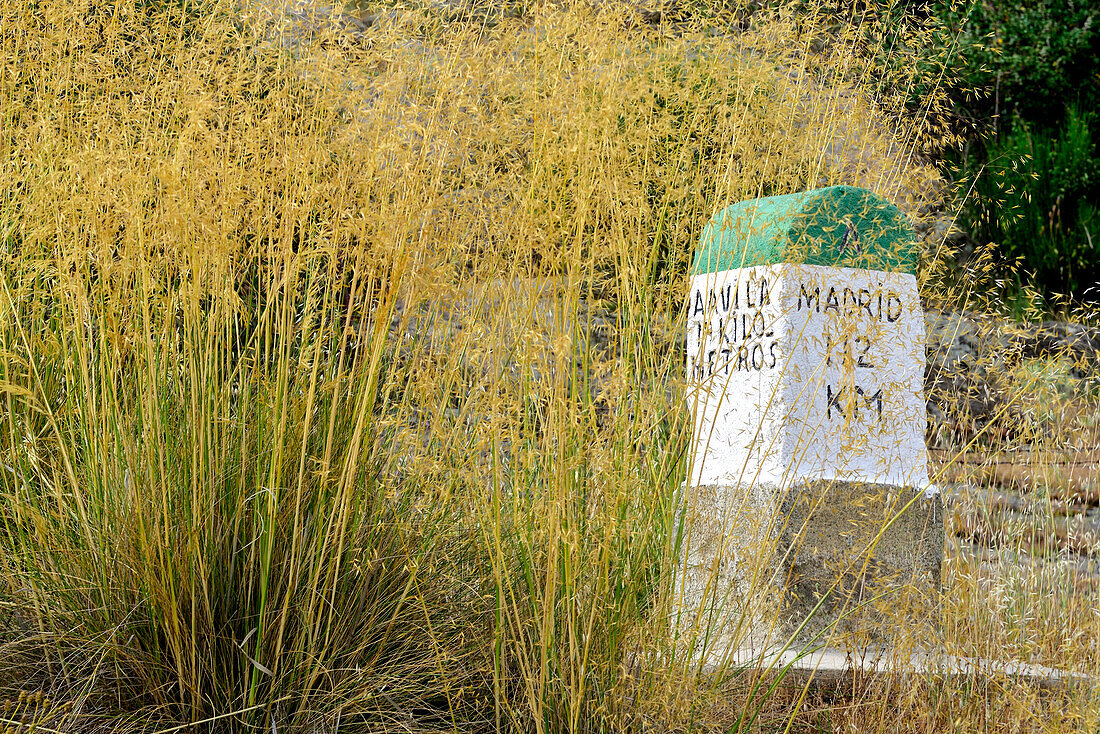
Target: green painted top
<point>841,226</point>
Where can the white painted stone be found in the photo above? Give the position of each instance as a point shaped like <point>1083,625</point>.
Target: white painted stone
<point>805,372</point>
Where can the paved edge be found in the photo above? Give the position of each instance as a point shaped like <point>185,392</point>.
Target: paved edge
<point>831,666</point>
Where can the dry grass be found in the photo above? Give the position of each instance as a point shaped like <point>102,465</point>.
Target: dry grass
<point>341,383</point>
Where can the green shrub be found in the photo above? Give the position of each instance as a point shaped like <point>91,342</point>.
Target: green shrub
<point>1027,58</point>
<point>1036,199</point>
<point>1024,72</point>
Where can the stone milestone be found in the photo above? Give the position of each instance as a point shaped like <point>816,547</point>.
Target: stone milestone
<point>810,518</point>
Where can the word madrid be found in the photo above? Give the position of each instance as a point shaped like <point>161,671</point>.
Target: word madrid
<point>877,303</point>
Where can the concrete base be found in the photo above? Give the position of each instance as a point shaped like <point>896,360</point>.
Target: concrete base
<point>829,667</point>
<point>821,562</point>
